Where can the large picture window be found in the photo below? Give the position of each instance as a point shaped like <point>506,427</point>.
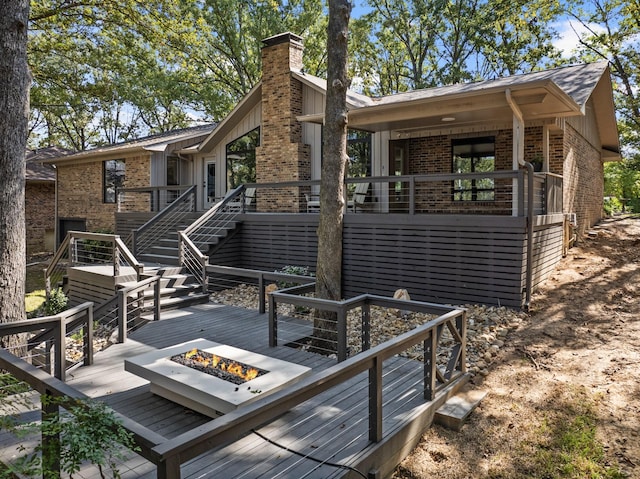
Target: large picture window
<point>113,178</point>
<point>474,155</point>
<point>241,159</point>
<point>359,153</point>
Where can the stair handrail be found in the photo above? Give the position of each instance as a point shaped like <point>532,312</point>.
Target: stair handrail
<point>174,208</point>
<point>229,197</point>
<point>190,256</point>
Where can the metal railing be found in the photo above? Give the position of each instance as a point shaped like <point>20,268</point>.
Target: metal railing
<point>169,220</point>
<point>195,240</point>
<point>81,248</point>
<point>148,199</point>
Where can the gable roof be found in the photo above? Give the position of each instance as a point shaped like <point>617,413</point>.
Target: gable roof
<point>36,170</point>
<point>158,142</point>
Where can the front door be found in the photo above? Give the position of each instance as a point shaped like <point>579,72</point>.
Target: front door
<point>210,192</point>
<point>398,166</point>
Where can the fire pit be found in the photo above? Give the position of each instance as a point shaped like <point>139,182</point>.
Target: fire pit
<point>213,378</point>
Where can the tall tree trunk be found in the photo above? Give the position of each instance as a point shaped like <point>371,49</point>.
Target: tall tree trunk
<point>329,262</point>
<point>14,105</point>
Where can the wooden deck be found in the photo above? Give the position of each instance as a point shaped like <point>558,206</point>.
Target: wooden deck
<point>312,439</point>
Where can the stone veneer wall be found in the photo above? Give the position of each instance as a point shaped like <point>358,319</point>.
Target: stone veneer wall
<point>583,186</point>
<point>80,194</point>
<point>40,214</point>
<point>281,155</point>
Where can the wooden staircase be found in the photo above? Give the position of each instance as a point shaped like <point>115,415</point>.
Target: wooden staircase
<point>165,250</point>
<point>177,289</point>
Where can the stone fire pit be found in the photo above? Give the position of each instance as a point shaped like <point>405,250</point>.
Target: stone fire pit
<point>201,375</point>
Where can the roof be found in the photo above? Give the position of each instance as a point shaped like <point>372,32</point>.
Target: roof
<point>35,169</point>
<point>158,142</point>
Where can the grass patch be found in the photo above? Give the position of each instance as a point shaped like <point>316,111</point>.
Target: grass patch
<point>565,444</point>
<point>34,300</point>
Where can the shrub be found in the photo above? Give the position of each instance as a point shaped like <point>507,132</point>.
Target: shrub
<point>297,270</point>
<point>56,303</point>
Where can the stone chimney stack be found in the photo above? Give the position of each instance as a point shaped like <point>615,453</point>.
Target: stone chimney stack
<point>282,156</point>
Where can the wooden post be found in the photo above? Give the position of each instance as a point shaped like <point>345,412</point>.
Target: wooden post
<point>169,468</point>
<point>122,317</point>
<point>156,299</point>
<point>261,295</point>
<point>375,400</point>
<point>366,327</point>
<point>59,339</point>
<point>273,321</point>
<point>430,358</point>
<point>88,338</point>
<point>342,334</point>
<point>50,443</point>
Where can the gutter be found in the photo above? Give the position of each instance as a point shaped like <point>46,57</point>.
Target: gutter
<point>529,167</point>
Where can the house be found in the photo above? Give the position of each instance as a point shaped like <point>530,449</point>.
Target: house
<point>40,194</point>
<point>88,181</point>
<point>454,211</point>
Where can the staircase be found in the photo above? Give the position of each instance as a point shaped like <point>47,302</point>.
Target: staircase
<point>177,289</point>
<point>165,250</point>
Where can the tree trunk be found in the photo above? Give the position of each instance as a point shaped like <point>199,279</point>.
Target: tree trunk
<point>329,262</point>
<point>14,105</point>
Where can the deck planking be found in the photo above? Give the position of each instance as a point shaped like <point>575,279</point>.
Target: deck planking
<point>332,427</point>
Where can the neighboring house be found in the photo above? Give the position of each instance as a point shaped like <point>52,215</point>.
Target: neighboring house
<point>88,181</point>
<point>441,173</point>
<point>39,200</point>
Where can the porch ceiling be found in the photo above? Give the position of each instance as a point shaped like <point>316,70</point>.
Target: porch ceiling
<point>541,101</point>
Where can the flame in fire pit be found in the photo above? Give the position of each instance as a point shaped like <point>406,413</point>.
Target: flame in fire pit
<point>227,369</point>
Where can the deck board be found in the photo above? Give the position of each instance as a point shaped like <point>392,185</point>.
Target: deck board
<point>336,429</point>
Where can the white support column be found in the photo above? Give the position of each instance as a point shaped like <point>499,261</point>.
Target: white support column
<point>518,147</point>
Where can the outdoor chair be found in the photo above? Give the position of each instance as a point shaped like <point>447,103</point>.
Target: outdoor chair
<point>359,199</point>
<point>313,205</point>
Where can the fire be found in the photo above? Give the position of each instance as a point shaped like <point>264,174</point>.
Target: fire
<point>223,364</point>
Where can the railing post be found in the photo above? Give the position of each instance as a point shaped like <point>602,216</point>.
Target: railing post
<point>51,450</point>
<point>204,279</point>
<point>116,258</point>
<point>430,349</point>
<point>169,468</point>
<point>122,317</point>
<point>156,299</point>
<point>72,251</point>
<point>88,338</point>
<point>375,400</point>
<point>59,340</point>
<point>261,295</point>
<point>273,321</point>
<point>461,323</point>
<point>366,327</point>
<point>412,195</point>
<point>342,334</point>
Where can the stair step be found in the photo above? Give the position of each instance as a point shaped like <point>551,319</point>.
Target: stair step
<point>158,258</point>
<point>454,413</point>
<point>169,304</point>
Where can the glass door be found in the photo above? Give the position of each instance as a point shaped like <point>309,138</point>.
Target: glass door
<point>398,166</point>
<point>210,196</point>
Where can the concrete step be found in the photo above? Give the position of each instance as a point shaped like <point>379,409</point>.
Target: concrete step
<point>454,413</point>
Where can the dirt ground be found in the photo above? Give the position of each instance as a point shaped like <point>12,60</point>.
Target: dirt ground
<point>578,351</point>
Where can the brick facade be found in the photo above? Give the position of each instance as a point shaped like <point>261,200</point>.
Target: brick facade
<point>281,155</point>
<point>80,190</point>
<point>40,214</point>
<point>583,186</point>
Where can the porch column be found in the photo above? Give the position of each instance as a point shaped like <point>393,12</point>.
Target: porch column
<point>518,147</point>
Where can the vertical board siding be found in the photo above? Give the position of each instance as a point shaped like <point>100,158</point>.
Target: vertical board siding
<point>547,251</point>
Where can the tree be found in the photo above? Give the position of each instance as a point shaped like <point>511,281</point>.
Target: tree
<point>329,260</point>
<point>14,102</point>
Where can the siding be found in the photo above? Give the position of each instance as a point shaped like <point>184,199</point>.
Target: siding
<point>445,259</point>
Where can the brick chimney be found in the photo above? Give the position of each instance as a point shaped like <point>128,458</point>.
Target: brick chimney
<point>281,155</point>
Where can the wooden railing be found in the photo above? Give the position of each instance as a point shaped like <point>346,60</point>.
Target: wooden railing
<point>169,220</point>
<point>82,248</point>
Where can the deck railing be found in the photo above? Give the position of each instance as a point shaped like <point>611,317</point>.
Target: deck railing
<point>81,248</point>
<point>488,193</point>
<point>148,199</point>
<point>169,220</point>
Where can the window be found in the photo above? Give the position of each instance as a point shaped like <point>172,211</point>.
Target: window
<point>113,178</point>
<point>474,155</point>
<point>173,171</point>
<point>241,159</point>
<point>359,152</point>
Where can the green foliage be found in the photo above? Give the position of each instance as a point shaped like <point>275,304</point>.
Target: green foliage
<point>291,269</point>
<point>56,303</point>
<point>88,432</point>
<point>34,302</point>
<point>612,205</point>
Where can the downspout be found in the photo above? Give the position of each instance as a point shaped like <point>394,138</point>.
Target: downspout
<point>518,138</point>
